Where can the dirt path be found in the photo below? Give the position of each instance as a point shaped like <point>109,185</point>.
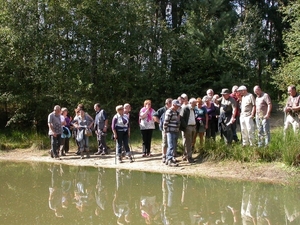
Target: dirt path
<point>266,172</point>
<point>263,172</point>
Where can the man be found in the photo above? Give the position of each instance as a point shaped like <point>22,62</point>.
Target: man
<point>263,111</point>
<point>210,93</point>
<point>171,128</point>
<point>156,117</point>
<point>237,97</point>
<point>291,109</point>
<point>55,130</point>
<point>227,115</point>
<point>248,109</point>
<point>188,128</point>
<point>100,126</point>
<point>184,99</point>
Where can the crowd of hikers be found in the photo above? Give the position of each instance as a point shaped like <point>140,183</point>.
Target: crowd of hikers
<point>190,118</point>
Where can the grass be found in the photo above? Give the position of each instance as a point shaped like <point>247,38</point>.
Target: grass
<point>280,149</point>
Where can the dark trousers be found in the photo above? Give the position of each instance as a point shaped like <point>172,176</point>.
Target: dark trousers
<point>122,140</point>
<point>211,130</point>
<point>147,137</point>
<point>101,139</point>
<point>55,143</point>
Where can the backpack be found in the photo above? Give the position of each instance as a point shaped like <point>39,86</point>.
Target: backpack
<point>161,122</point>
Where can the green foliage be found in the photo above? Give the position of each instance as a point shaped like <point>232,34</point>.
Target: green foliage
<point>289,69</point>
<point>112,52</point>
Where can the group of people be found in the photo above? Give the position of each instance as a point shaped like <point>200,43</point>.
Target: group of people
<point>206,116</point>
<point>60,124</point>
<point>194,117</point>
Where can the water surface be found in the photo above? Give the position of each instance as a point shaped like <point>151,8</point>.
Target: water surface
<point>41,193</point>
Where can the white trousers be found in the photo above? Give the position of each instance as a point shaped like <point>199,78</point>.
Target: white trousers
<point>294,121</point>
<point>247,130</point>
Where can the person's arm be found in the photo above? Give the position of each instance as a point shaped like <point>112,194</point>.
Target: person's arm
<point>234,111</point>
<point>50,125</point>
<point>269,109</point>
<point>144,112</point>
<point>297,107</point>
<point>288,107</point>
<point>113,127</point>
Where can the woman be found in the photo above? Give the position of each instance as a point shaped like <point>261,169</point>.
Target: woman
<point>81,122</point>
<point>146,126</point>
<point>201,122</point>
<point>121,129</point>
<point>211,112</point>
<point>66,132</point>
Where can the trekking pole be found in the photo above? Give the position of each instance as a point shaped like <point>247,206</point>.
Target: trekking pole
<point>116,149</point>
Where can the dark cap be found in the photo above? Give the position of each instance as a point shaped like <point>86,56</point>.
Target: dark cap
<point>225,91</point>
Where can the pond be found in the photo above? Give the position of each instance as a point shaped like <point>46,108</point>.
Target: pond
<point>40,193</point>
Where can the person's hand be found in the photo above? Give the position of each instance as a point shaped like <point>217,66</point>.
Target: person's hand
<point>288,109</point>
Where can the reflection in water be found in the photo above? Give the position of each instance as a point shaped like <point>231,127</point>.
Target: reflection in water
<point>84,195</point>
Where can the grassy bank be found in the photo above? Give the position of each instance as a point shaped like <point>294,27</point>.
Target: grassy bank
<point>281,149</point>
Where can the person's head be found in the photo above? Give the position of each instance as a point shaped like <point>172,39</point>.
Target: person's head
<point>184,98</point>
<point>234,89</point>
<point>147,103</point>
<point>193,102</point>
<point>199,102</point>
<point>215,99</point>
<point>175,104</point>
<point>80,107</point>
<point>292,90</point>
<point>64,111</point>
<point>80,112</point>
<point>120,109</point>
<point>225,93</point>
<point>127,108</point>
<point>242,90</point>
<point>57,110</point>
<point>168,102</point>
<point>210,93</point>
<point>257,90</point>
<point>207,100</point>
<point>97,107</point>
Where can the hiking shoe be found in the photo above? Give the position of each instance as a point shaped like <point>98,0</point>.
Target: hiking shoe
<point>120,159</point>
<point>77,153</point>
<point>102,153</point>
<point>144,155</point>
<point>149,155</point>
<point>172,163</point>
<point>98,153</point>
<point>164,159</point>
<point>191,160</point>
<point>130,159</point>
<point>51,154</point>
<point>57,157</point>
